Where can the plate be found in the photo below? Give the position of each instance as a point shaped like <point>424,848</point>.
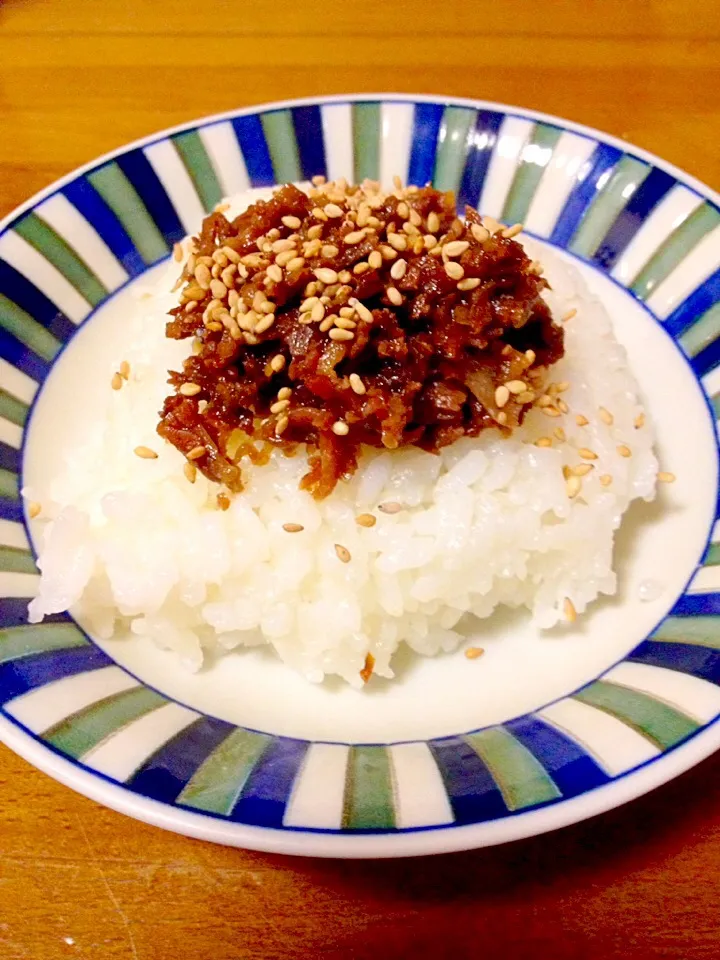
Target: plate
<point>544,730</point>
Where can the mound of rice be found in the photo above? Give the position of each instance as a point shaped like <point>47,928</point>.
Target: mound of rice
<point>489,521</point>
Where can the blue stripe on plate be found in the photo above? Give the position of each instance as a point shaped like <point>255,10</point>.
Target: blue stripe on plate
<point>707,359</point>
<point>697,605</point>
<point>311,145</point>
<point>167,772</point>
<point>250,135</point>
<point>19,676</point>
<point>641,203</point>
<point>426,127</point>
<point>690,310</point>
<point>138,169</point>
<point>573,770</point>
<point>13,613</point>
<point>85,198</point>
<point>11,510</point>
<point>473,793</point>
<point>601,162</point>
<point>9,458</point>
<point>482,144</point>
<point>265,795</point>
<point>22,357</point>
<point>689,658</point>
<point>26,295</point>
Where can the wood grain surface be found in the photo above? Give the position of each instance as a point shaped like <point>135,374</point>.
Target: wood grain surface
<point>80,77</point>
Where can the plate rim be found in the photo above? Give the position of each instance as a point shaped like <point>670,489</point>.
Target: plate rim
<point>307,842</point>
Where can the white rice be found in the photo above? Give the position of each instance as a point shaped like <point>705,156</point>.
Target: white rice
<point>486,522</point>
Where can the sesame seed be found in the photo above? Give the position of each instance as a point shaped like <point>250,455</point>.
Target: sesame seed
<point>265,323</point>
<point>469,283</point>
<point>308,303</point>
<point>340,428</point>
<point>587,454</point>
<point>124,369</point>
<point>502,395</point>
<point>582,469</point>
<point>317,312</point>
<point>562,406</point>
<point>356,384</point>
<point>337,334</point>
<point>362,311</point>
<point>516,386</point>
<point>639,421</point>
<point>228,276</point>
<point>196,453</point>
<point>116,381</point>
<point>455,248</point>
<point>606,480</point>
<point>361,267</point>
<point>34,509</point>
<point>177,252</point>
<point>190,389</point>
<point>569,315</point>
<point>375,259</point>
<point>344,323</point>
<point>354,237</point>
<point>203,276</point>
<point>333,210</point>
<point>327,324</point>
<point>390,507</point>
<point>284,393</point>
<point>274,272</point>
<point>279,406</point>
<point>492,225</point>
<point>569,610</point>
<point>394,296</point>
<point>292,222</point>
<point>190,471</point>
<point>223,501</point>
<point>319,214</point>
<point>398,269</point>
<point>480,233</point>
<point>397,241</point>
<point>527,396</point>
<point>454,270</point>
<point>559,434</point>
<point>315,232</point>
<point>329,250</point>
<point>530,356</point>
<point>145,453</point>
<point>544,400</point>
<point>232,255</point>
<point>366,520</point>
<point>543,442</point>
<point>581,421</point>
<point>280,246</point>
<point>293,527</point>
<point>606,416</point>
<point>326,275</point>
<point>403,210</point>
<point>318,180</point>
<point>277,363</point>
<point>429,241</point>
<point>342,553</point>
<point>473,653</point>
<point>665,477</point>
<point>218,289</point>
<point>387,252</point>
<point>573,486</point>
<point>433,222</point>
<point>624,450</point>
<point>410,229</point>
<point>513,231</point>
<point>297,263</point>
<point>397,182</point>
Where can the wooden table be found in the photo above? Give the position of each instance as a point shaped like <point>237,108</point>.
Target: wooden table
<point>81,77</point>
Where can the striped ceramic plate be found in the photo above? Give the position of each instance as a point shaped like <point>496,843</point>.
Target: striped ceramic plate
<point>609,720</point>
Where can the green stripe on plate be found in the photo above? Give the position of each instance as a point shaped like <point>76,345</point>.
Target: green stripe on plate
<point>703,631</point>
<point>13,409</point>
<point>119,194</point>
<point>280,136</point>
<point>702,333</point>
<point>9,485</point>
<point>607,205</point>
<point>368,802</point>
<point>31,638</point>
<point>452,147</point>
<point>535,157</point>
<point>366,141</point>
<point>86,729</point>
<point>15,560</point>
<point>715,401</point>
<point>26,329</point>
<point>198,165</point>
<point>54,248</point>
<point>674,249</point>
<point>217,783</point>
<point>521,778</point>
<point>660,723</point>
<point>713,556</point>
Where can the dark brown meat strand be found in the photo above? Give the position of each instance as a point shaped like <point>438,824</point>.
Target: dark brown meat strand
<point>430,366</point>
